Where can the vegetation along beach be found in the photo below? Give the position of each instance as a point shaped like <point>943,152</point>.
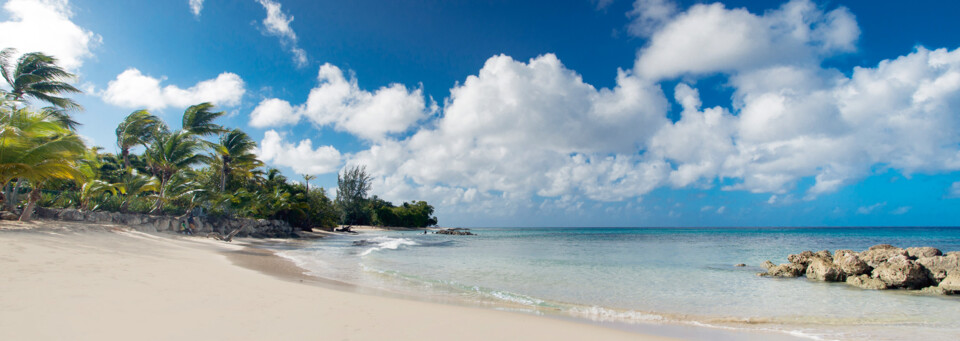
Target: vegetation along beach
<point>482,170</point>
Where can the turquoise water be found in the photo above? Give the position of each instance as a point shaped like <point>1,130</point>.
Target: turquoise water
<point>647,276</point>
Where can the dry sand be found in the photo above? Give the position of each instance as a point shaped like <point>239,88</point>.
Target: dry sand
<point>72,281</point>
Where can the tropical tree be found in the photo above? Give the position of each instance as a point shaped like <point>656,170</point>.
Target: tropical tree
<point>198,120</point>
<point>37,76</point>
<point>168,155</point>
<point>138,129</point>
<point>37,147</point>
<point>134,185</point>
<point>234,157</point>
<point>352,188</point>
<point>306,181</point>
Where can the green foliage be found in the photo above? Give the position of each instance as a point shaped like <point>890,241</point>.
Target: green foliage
<point>410,214</point>
<point>352,187</point>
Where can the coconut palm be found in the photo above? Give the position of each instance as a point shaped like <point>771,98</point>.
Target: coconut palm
<point>168,155</point>
<point>38,76</point>
<point>134,185</point>
<point>37,147</point>
<point>234,156</point>
<point>198,119</point>
<point>306,181</point>
<point>137,129</point>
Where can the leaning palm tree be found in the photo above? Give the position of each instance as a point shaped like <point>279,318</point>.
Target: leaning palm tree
<point>37,147</point>
<point>37,76</point>
<point>306,181</point>
<point>198,120</point>
<point>137,129</point>
<point>234,156</point>
<point>169,154</point>
<point>134,185</point>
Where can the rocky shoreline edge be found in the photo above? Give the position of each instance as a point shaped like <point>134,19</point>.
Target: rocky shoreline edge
<point>884,266</point>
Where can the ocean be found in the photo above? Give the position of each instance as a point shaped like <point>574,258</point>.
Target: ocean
<point>646,279</point>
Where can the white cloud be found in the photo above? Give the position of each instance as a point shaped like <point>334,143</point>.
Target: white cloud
<point>45,26</point>
<point>649,16</point>
<point>278,23</point>
<point>195,7</point>
<point>519,129</point>
<point>340,102</point>
<point>954,191</point>
<point>302,157</point>
<point>711,38</point>
<point>871,208</point>
<point>901,210</point>
<point>273,112</point>
<point>133,89</point>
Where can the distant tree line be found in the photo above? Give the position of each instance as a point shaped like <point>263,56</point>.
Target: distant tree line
<point>356,209</point>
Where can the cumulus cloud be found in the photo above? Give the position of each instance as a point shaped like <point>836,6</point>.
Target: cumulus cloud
<point>302,157</point>
<point>195,7</point>
<point>649,15</point>
<point>278,23</point>
<point>45,26</point>
<point>339,101</point>
<point>133,89</point>
<point>712,38</point>
<point>518,129</point>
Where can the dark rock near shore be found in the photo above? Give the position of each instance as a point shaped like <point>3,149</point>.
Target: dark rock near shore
<point>786,270</point>
<point>456,232</point>
<point>951,284</point>
<point>850,263</point>
<point>257,228</point>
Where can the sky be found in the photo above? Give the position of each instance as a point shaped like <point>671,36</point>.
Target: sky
<point>551,113</point>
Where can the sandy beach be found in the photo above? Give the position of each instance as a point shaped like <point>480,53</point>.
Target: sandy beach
<point>73,281</point>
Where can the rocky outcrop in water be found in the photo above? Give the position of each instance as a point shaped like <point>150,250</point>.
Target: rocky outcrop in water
<point>456,232</point>
<point>879,267</point>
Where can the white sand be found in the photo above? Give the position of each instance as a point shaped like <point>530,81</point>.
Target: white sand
<point>64,281</point>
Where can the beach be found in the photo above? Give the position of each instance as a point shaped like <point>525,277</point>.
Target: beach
<point>74,281</point>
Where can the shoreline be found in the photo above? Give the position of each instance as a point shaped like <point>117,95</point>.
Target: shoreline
<point>84,281</point>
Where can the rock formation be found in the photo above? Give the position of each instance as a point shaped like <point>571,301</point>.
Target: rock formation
<point>257,228</point>
<point>879,267</point>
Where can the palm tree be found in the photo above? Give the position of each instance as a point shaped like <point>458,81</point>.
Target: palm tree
<point>234,156</point>
<point>306,180</point>
<point>137,129</point>
<point>37,147</point>
<point>38,76</point>
<point>198,120</point>
<point>136,184</point>
<point>168,155</point>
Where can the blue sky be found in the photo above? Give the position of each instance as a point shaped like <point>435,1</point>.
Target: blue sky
<point>553,113</point>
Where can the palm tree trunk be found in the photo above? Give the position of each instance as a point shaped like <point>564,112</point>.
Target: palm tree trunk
<point>12,194</point>
<point>126,160</point>
<point>223,178</point>
<point>34,197</point>
<point>157,205</point>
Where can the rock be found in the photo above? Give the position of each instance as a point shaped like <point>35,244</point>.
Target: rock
<point>866,282</point>
<point>952,253</point>
<point>901,272</point>
<point>804,258</point>
<point>768,264</point>
<point>880,253</point>
<point>938,267</point>
<point>786,270</point>
<point>932,291</point>
<point>951,284</point>
<point>823,270</point>
<point>921,252</point>
<point>456,232</point>
<point>850,264</point>
<point>841,253</point>
<point>7,215</point>
<point>824,254</point>
<point>740,265</point>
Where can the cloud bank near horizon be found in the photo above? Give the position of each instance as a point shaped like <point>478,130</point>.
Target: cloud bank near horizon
<point>523,129</point>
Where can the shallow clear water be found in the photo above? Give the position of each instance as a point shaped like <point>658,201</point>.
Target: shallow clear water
<point>647,275</point>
